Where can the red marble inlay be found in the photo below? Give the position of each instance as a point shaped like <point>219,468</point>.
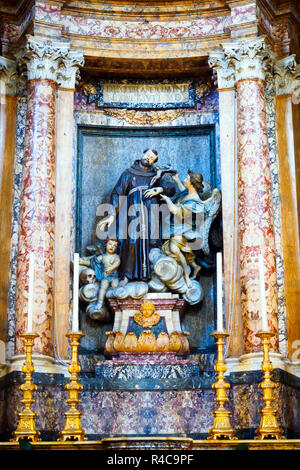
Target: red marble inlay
<point>256,228</point>
<point>37,214</point>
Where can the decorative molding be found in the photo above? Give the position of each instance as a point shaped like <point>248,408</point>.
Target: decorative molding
<point>42,364</point>
<point>8,76</point>
<point>52,60</point>
<point>287,77</point>
<point>143,118</point>
<point>252,362</point>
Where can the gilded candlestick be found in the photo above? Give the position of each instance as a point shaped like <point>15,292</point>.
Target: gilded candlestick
<point>221,428</point>
<point>26,426</point>
<point>73,429</point>
<point>268,427</point>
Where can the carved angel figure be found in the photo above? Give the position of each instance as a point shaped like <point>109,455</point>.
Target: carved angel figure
<point>192,220</point>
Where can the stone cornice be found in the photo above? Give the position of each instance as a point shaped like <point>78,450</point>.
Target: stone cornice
<point>141,10</point>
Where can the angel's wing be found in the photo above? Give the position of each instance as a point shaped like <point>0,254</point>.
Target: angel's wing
<point>211,209</point>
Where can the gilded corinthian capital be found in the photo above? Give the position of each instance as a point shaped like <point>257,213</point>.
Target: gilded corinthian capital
<point>242,59</point>
<point>223,67</point>
<point>53,60</point>
<point>69,67</point>
<point>287,77</point>
<point>251,57</point>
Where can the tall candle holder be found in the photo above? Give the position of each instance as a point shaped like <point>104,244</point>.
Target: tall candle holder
<point>221,428</point>
<point>268,424</point>
<point>73,430</point>
<point>26,426</point>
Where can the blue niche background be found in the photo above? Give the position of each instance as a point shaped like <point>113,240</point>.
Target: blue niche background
<point>103,154</point>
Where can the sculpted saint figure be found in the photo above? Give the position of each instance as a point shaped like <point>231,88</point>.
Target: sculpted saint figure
<point>106,269</point>
<point>141,184</point>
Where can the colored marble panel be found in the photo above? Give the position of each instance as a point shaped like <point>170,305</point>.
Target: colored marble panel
<point>8,108</point>
<point>164,412</point>
<point>256,222</point>
<point>37,213</point>
<point>17,185</point>
<point>287,153</point>
<point>273,130</point>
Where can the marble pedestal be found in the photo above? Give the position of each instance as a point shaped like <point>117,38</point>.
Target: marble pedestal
<point>151,324</point>
<point>147,369</point>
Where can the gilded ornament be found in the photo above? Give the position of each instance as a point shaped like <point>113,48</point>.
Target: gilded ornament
<point>119,341</point>
<point>144,117</point>
<point>147,342</point>
<point>130,342</point>
<point>175,341</point>
<point>88,88</point>
<point>148,316</point>
<point>109,345</point>
<point>185,347</point>
<point>203,89</point>
<point>163,342</point>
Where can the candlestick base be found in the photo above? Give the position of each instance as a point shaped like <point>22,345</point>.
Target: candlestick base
<point>268,427</point>
<point>73,430</point>
<point>26,426</point>
<point>221,428</point>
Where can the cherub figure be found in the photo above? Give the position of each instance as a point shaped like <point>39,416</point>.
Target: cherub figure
<point>148,316</point>
<point>106,269</point>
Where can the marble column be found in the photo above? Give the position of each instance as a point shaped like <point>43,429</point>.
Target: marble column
<point>43,60</point>
<point>227,117</point>
<point>8,111</point>
<point>250,59</point>
<point>287,86</point>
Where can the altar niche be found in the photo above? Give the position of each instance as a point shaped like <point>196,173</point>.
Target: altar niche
<point>103,154</point>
